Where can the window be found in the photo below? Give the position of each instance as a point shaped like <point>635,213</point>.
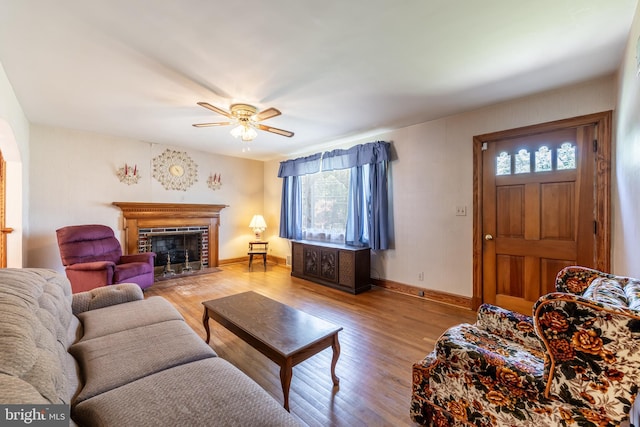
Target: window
<point>504,164</point>
<point>543,159</point>
<point>523,161</point>
<point>566,159</point>
<point>347,203</point>
<point>324,205</point>
<point>566,156</point>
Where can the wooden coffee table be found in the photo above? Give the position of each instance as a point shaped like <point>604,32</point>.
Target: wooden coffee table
<point>284,334</point>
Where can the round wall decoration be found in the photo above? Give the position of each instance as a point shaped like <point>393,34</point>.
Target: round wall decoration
<point>175,170</point>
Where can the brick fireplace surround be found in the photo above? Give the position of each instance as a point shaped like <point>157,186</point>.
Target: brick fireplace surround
<point>167,215</point>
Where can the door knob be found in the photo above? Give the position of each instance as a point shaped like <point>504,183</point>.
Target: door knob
<point>488,237</point>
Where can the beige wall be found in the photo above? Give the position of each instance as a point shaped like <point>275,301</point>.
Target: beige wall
<point>626,176</point>
<point>73,181</point>
<point>433,173</point>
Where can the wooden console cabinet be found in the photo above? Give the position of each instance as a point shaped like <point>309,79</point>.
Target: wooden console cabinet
<point>342,267</point>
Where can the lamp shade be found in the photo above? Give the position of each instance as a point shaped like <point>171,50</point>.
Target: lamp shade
<point>258,223</point>
<point>244,131</point>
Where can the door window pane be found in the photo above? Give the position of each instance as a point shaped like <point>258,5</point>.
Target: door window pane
<point>503,162</point>
<point>523,161</point>
<point>543,159</point>
<point>566,156</point>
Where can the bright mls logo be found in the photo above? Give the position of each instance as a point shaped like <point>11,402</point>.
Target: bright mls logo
<point>34,415</point>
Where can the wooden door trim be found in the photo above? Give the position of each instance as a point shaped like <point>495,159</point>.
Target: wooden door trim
<point>603,121</point>
<point>3,215</point>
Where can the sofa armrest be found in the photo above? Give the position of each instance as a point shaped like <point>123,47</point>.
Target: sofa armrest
<point>575,279</point>
<point>92,266</point>
<point>591,351</point>
<point>508,324</point>
<point>141,257</point>
<point>106,296</point>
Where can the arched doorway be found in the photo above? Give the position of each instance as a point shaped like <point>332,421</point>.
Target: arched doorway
<point>11,193</point>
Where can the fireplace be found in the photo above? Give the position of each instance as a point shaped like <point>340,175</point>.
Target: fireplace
<point>180,250</point>
<point>176,248</point>
<point>146,222</point>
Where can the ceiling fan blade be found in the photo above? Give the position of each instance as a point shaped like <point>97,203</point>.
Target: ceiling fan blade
<point>204,125</point>
<point>267,114</point>
<point>276,130</point>
<point>215,109</point>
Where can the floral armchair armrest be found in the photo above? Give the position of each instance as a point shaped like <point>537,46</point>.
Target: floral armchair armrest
<point>508,324</point>
<point>592,359</point>
<point>105,296</point>
<point>575,279</point>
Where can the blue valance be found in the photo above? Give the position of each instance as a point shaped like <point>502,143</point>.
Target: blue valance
<point>300,166</point>
<point>358,155</point>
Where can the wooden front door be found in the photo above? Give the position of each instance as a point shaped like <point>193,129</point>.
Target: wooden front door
<point>542,209</point>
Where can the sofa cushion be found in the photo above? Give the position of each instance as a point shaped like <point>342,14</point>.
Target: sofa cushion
<point>113,360</point>
<point>607,291</point>
<point>203,393</point>
<point>509,364</point>
<point>120,317</point>
<point>35,313</point>
<point>14,390</point>
<point>106,296</point>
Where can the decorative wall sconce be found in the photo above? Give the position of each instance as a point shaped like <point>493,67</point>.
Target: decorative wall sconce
<point>215,181</point>
<point>129,175</point>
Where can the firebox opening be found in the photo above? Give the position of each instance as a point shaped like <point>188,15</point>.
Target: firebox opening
<point>176,252</point>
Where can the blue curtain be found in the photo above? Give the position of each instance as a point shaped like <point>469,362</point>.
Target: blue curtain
<point>367,211</point>
<point>291,205</point>
<point>378,207</point>
<point>357,227</point>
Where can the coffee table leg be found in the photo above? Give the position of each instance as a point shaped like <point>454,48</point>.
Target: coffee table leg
<point>205,322</point>
<point>336,353</point>
<point>286,371</point>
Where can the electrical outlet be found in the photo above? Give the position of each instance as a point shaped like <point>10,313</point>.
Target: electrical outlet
<point>420,293</point>
<point>421,276</point>
<point>461,211</point>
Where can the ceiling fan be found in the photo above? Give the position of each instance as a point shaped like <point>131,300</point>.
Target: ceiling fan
<point>246,118</point>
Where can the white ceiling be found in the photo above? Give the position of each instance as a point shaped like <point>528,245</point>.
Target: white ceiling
<point>335,68</point>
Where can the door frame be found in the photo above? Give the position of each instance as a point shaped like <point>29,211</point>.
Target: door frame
<point>3,213</point>
<point>602,169</point>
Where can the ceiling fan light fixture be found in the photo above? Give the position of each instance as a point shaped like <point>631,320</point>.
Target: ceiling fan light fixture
<point>249,134</point>
<point>244,131</point>
<point>246,120</point>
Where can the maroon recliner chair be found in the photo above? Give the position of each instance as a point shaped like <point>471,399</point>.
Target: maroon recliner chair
<point>92,257</point>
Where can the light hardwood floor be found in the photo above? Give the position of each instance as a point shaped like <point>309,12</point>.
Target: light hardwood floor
<point>384,334</point>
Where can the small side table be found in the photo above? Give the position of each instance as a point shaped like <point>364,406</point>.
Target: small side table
<point>258,248</point>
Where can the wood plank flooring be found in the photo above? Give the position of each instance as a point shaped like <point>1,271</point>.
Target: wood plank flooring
<point>384,334</point>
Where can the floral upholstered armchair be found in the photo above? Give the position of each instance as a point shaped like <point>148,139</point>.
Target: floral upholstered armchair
<point>575,362</point>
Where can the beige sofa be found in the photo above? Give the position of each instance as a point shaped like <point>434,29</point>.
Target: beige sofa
<point>117,359</point>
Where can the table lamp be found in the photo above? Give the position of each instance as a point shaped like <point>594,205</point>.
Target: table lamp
<point>258,224</point>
